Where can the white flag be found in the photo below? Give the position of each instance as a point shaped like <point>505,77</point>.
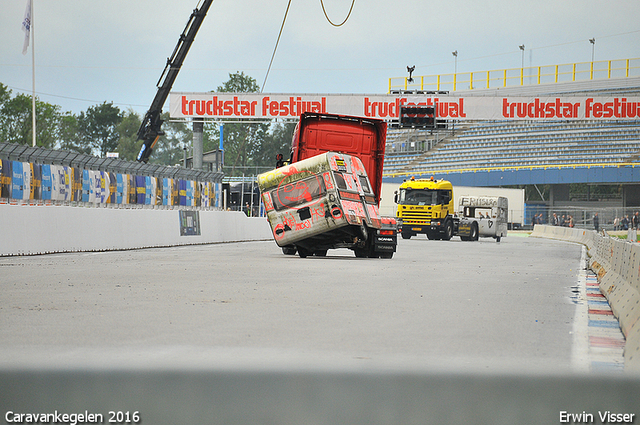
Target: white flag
<point>26,27</point>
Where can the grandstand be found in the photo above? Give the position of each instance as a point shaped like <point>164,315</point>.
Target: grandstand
<point>556,153</point>
<point>469,145</point>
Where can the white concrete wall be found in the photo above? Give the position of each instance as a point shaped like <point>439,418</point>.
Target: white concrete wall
<point>30,230</point>
<point>327,395</point>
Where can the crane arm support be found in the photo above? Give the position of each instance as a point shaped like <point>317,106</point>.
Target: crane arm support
<point>151,127</point>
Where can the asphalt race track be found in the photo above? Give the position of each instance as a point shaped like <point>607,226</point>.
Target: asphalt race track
<point>453,304</point>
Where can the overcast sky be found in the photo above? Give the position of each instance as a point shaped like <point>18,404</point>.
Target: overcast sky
<point>92,51</point>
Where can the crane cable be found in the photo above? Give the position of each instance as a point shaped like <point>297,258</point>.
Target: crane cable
<point>345,19</point>
<point>273,55</point>
<point>276,47</point>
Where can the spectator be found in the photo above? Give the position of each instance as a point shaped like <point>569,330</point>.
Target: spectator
<point>635,220</point>
<point>571,223</point>
<point>554,220</point>
<point>625,222</point>
<point>596,222</point>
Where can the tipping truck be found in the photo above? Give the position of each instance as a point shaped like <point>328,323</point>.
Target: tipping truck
<point>328,195</point>
<point>426,206</point>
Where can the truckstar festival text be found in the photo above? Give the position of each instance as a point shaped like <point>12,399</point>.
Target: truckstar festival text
<point>256,105</point>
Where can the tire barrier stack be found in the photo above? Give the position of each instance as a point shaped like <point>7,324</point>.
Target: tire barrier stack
<point>617,264</point>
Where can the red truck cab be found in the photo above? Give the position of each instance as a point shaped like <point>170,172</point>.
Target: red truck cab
<point>362,137</point>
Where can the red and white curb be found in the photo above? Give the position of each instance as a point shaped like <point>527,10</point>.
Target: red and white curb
<point>598,340</point>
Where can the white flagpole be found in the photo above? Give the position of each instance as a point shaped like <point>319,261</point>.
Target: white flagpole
<point>33,78</point>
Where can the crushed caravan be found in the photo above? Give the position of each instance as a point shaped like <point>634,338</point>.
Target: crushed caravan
<point>326,202</point>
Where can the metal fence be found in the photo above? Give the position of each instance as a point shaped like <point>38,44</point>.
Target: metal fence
<point>609,218</point>
<point>16,152</point>
<point>579,71</point>
<point>39,176</point>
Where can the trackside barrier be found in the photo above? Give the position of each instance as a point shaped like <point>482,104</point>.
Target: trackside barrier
<point>29,230</point>
<point>320,396</point>
<point>35,174</point>
<point>617,264</point>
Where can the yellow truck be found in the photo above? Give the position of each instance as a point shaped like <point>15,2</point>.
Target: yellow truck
<point>426,206</point>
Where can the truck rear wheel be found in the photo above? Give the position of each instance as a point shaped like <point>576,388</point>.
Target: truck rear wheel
<point>303,253</point>
<point>360,252</point>
<point>369,249</point>
<point>474,232</point>
<point>406,235</point>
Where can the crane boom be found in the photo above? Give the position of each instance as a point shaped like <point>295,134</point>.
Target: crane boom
<point>151,128</point>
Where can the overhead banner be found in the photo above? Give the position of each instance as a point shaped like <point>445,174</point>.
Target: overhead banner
<point>269,106</point>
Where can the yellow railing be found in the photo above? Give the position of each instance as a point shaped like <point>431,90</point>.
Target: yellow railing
<point>513,168</point>
<point>547,74</point>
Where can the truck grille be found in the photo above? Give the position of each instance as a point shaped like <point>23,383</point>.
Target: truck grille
<point>415,216</point>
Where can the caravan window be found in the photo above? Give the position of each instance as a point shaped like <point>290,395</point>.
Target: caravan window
<point>364,182</point>
<point>298,192</point>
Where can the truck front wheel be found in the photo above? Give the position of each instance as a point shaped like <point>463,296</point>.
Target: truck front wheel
<point>448,231</point>
<point>289,250</point>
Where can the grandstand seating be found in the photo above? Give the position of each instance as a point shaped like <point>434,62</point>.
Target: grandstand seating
<point>514,144</point>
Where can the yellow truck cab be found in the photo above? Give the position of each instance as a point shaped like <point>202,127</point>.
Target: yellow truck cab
<point>425,206</point>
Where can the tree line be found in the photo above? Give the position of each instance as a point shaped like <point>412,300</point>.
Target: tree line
<point>249,147</point>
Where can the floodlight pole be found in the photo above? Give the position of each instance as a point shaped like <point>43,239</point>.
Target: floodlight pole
<point>455,67</point>
<point>522,66</point>
<point>33,77</point>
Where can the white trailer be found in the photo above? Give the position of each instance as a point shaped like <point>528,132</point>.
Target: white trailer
<point>482,216</point>
<point>515,216</point>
